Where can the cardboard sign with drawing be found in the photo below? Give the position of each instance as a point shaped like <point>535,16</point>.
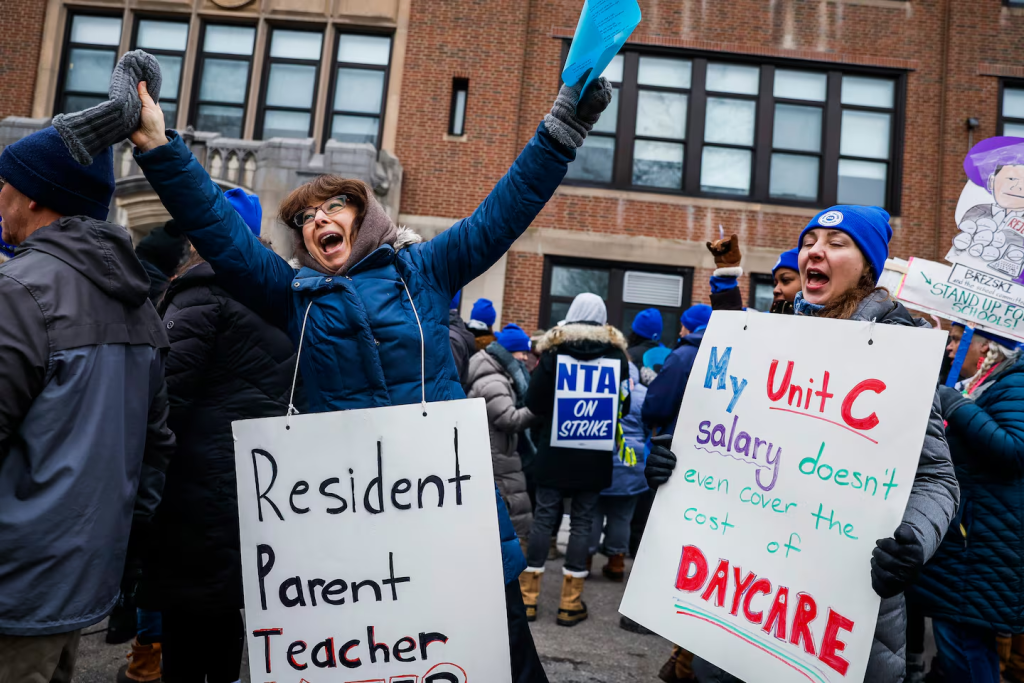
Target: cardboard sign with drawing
<point>990,213</point>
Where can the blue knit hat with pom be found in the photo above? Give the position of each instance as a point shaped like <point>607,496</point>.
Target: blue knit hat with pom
<point>513,338</point>
<point>483,310</point>
<point>648,324</point>
<point>868,226</point>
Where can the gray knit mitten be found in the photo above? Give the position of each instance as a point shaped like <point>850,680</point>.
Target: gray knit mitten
<point>87,133</point>
<point>572,117</point>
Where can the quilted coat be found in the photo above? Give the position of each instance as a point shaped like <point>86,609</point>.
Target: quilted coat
<point>977,576</point>
<point>225,364</point>
<point>489,380</point>
<point>377,336</point>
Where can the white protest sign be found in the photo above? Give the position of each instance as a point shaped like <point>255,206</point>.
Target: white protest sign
<point>586,403</point>
<point>974,297</point>
<point>797,445</point>
<point>370,547</point>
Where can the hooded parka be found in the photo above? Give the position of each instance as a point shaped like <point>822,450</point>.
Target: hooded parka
<point>489,380</point>
<point>83,423</point>
<point>571,469</point>
<point>377,335</point>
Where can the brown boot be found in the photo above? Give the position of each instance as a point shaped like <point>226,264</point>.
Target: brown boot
<point>572,610</point>
<point>529,586</point>
<point>143,664</point>
<point>615,569</point>
<point>677,668</point>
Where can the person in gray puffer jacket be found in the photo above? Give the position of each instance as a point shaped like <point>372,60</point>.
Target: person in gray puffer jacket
<point>842,254</point>
<point>84,442</point>
<point>498,375</point>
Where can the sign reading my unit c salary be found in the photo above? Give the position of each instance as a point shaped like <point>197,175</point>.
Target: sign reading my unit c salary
<point>586,403</point>
<point>797,445</point>
<point>370,547</point>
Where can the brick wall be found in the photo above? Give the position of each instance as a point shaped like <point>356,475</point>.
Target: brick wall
<point>514,61</point>
<point>21,24</point>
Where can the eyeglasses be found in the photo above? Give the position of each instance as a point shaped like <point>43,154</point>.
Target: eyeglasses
<point>331,207</point>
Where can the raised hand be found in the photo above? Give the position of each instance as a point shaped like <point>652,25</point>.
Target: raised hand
<point>150,133</point>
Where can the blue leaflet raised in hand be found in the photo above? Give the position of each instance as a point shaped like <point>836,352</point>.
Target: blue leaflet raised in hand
<point>604,27</point>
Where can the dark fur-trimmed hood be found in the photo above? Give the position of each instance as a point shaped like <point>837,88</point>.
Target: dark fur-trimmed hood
<point>578,334</point>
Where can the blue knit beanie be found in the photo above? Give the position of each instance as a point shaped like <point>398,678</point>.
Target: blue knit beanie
<point>483,310</point>
<point>513,338</point>
<point>41,168</point>
<point>696,317</point>
<point>868,226</point>
<point>648,324</point>
<point>248,207</point>
<point>788,259</point>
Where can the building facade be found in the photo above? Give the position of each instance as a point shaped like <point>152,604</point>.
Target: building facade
<point>739,117</point>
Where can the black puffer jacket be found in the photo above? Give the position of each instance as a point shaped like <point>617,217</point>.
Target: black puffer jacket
<point>225,364</point>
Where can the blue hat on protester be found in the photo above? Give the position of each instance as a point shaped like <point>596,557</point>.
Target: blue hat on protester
<point>788,259</point>
<point>868,226</point>
<point>248,207</point>
<point>648,324</point>
<point>456,300</point>
<point>696,317</point>
<point>483,310</point>
<point>41,168</point>
<point>513,338</point>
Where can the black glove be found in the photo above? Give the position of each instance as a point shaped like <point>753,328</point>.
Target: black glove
<point>896,562</point>
<point>572,116</point>
<point>660,462</point>
<point>949,400</point>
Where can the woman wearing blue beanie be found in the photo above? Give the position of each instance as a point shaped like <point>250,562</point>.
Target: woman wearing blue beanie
<point>842,253</point>
<point>786,279</point>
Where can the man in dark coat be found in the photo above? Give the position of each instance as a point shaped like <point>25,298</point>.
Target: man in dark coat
<point>83,405</point>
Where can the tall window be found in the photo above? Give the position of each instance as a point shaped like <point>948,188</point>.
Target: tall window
<point>1011,111</point>
<point>626,289</point>
<point>289,89</point>
<point>865,145</point>
<point>357,104</point>
<point>90,53</point>
<point>222,79</point>
<point>167,41</point>
<point>774,133</point>
<point>457,115</point>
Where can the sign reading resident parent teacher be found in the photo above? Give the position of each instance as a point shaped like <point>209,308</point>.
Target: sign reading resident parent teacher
<point>798,443</point>
<point>586,403</point>
<point>370,546</point>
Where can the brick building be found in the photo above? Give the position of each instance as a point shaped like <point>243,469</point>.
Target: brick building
<point>750,114</point>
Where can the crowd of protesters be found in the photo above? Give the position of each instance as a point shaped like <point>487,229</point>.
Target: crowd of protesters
<point>123,368</point>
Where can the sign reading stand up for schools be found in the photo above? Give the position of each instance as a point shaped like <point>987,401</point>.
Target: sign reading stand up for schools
<point>370,547</point>
<point>586,403</point>
<point>797,441</point>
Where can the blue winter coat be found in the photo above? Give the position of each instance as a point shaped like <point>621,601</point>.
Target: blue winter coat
<point>629,480</point>
<point>353,318</point>
<point>665,395</point>
<point>977,575</point>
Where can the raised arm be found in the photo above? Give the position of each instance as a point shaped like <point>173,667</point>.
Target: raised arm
<point>254,274</point>
<point>471,246</point>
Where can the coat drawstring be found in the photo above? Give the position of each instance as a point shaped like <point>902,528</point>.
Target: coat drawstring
<point>423,350</point>
<point>295,375</point>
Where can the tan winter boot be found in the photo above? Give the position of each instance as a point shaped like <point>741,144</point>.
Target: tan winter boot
<point>572,610</point>
<point>615,569</point>
<point>529,586</point>
<point>143,664</point>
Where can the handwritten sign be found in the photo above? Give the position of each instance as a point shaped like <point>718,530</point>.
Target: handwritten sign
<point>586,403</point>
<point>797,445</point>
<point>370,546</point>
<point>603,28</point>
<point>974,297</point>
